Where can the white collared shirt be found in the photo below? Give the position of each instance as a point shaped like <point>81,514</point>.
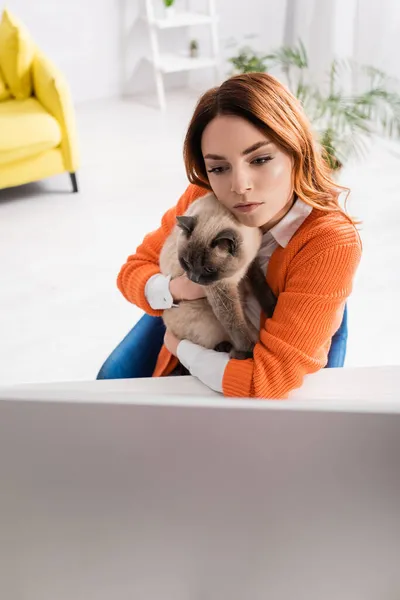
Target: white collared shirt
<point>208,365</point>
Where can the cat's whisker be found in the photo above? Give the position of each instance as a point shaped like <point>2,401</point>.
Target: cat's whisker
<point>220,295</point>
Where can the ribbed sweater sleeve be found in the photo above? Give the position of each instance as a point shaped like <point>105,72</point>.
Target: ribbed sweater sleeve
<point>144,263</point>
<point>296,340</point>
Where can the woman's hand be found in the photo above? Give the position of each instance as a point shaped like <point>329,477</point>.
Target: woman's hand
<point>182,288</point>
<point>171,342</point>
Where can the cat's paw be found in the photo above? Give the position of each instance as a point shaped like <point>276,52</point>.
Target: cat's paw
<point>240,354</point>
<point>223,347</point>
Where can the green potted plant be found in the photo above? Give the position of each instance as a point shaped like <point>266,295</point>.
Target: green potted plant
<point>344,120</point>
<point>169,8</point>
<point>248,61</point>
<point>194,49</point>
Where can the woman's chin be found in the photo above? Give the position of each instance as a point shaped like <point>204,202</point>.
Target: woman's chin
<point>252,220</point>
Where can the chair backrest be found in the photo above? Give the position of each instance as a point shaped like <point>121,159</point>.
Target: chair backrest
<point>17,51</point>
<point>337,351</point>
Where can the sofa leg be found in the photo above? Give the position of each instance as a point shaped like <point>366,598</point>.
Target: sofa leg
<point>74,182</point>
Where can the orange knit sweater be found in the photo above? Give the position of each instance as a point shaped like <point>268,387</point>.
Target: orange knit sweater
<point>312,277</point>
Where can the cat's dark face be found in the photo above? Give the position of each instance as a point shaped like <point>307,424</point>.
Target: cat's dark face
<point>208,253</point>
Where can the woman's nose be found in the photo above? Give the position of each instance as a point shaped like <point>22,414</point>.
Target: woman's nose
<point>240,183</point>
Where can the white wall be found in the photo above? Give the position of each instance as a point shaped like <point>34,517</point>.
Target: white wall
<point>378,34</point>
<point>366,30</point>
<point>263,18</point>
<point>100,44</point>
<point>327,30</point>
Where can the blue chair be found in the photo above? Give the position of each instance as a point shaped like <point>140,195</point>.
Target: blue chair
<point>136,355</point>
<point>337,351</point>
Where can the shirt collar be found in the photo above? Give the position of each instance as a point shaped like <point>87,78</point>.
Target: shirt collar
<point>283,231</point>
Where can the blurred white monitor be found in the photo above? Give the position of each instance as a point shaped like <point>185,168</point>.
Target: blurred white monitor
<point>156,501</point>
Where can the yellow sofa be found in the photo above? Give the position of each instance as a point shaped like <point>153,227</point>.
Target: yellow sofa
<point>37,122</point>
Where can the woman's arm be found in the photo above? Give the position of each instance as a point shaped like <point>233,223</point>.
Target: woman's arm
<point>296,340</point>
<point>142,265</point>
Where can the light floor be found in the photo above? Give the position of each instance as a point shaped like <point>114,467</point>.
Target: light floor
<point>61,313</point>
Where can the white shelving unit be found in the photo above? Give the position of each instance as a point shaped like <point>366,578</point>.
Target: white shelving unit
<point>169,62</point>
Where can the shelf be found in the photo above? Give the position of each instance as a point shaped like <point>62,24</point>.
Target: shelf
<point>178,59</point>
<point>183,19</point>
<point>173,63</point>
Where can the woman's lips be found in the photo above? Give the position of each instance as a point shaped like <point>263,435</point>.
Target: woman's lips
<point>249,207</point>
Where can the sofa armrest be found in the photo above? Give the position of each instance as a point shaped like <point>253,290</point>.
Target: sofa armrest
<point>52,91</point>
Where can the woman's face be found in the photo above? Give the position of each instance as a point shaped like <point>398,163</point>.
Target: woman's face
<point>248,173</point>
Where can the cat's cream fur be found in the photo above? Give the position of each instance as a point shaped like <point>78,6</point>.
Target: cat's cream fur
<point>219,317</point>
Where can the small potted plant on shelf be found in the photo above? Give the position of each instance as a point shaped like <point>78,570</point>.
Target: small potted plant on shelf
<point>194,49</point>
<point>169,8</point>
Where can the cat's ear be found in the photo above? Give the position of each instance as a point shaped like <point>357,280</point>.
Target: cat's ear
<point>227,239</point>
<point>187,224</point>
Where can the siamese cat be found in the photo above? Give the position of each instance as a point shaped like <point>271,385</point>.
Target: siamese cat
<point>218,252</point>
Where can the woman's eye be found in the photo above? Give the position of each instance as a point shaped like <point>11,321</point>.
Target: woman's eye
<point>262,160</point>
<point>217,170</point>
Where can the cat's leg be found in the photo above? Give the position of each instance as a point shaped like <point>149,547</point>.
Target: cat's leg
<point>260,288</point>
<point>226,303</point>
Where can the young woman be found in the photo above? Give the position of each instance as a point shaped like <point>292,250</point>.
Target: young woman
<point>250,142</point>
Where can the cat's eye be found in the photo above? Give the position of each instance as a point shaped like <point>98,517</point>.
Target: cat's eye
<point>184,264</point>
<point>210,270</point>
